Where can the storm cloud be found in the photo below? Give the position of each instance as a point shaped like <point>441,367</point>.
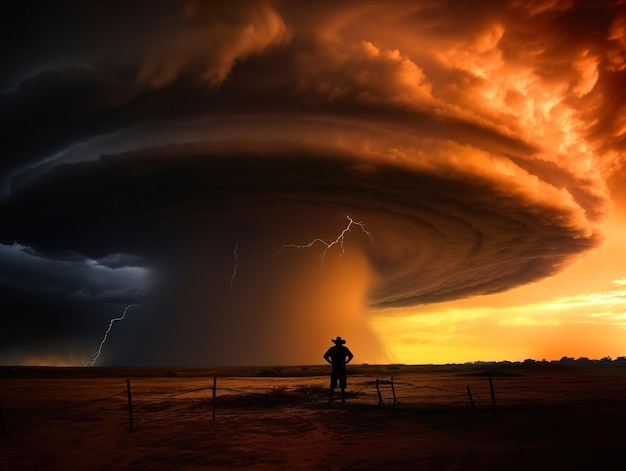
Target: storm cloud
<point>164,168</point>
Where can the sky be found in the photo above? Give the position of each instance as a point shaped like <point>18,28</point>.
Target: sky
<point>187,183</point>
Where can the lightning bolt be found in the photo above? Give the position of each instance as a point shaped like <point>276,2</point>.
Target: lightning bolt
<point>236,255</point>
<point>328,245</point>
<point>106,334</point>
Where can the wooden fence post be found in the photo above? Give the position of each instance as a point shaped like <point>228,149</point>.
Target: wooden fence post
<point>493,398</point>
<point>214,395</point>
<point>393,391</point>
<point>381,404</point>
<point>469,394</point>
<point>130,406</point>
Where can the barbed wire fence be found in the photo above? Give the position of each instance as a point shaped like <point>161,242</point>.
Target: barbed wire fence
<point>146,401</point>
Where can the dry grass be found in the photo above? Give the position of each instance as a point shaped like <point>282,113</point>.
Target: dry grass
<point>557,419</point>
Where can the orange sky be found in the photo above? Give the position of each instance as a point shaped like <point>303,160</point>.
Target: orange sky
<point>580,312</point>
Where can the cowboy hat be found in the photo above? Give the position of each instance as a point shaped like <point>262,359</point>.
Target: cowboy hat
<point>338,341</point>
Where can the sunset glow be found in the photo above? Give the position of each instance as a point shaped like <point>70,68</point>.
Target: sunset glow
<point>481,144</point>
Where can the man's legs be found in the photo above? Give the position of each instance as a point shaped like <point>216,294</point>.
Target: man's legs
<point>333,384</point>
<point>342,384</point>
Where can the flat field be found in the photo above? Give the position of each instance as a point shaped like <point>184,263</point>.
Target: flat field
<point>546,416</point>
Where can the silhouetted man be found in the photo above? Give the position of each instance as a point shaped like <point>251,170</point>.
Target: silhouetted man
<point>338,356</point>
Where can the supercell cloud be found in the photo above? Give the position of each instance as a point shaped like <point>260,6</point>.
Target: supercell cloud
<point>478,144</point>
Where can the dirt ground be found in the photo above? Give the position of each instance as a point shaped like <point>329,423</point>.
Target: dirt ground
<point>61,424</point>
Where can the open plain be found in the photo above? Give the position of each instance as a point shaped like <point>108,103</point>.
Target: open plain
<point>545,416</point>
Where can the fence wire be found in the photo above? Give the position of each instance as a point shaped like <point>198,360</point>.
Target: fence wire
<point>157,400</point>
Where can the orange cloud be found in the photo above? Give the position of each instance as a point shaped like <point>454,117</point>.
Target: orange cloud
<point>207,40</point>
<point>361,72</point>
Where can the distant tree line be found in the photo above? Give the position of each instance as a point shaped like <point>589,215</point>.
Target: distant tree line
<point>565,360</point>
<point>583,361</point>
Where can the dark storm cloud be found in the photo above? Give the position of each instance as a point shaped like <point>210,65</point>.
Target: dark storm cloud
<point>51,302</point>
<point>474,140</point>
<point>196,44</point>
<point>465,236</point>
<point>39,274</point>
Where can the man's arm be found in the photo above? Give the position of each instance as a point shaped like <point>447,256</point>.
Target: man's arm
<point>327,356</point>
<point>349,355</point>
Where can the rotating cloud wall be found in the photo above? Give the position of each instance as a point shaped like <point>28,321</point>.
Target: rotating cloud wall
<point>475,152</point>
